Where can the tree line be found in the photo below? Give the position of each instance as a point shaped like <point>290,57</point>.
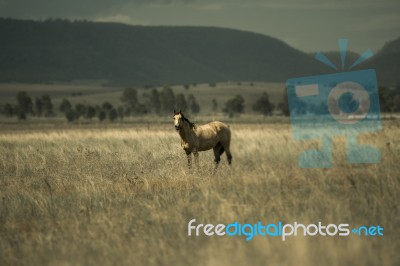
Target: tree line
<point>160,103</point>
<point>389,101</point>
<point>235,106</point>
<point>40,106</point>
<point>155,102</point>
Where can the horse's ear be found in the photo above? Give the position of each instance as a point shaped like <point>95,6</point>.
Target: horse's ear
<point>174,111</point>
<point>180,111</point>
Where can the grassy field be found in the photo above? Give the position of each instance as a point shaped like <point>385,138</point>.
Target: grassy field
<point>121,195</point>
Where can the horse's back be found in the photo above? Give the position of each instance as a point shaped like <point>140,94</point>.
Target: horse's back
<point>212,133</point>
<point>220,127</point>
<point>222,130</point>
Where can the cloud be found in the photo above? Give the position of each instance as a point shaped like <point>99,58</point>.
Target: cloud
<point>71,8</point>
<point>120,18</point>
<point>211,7</point>
<point>319,4</point>
<point>377,23</point>
<point>89,8</point>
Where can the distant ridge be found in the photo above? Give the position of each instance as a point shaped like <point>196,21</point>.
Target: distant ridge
<point>61,50</point>
<point>387,63</point>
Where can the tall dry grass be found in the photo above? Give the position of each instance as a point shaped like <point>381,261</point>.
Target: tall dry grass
<point>124,197</point>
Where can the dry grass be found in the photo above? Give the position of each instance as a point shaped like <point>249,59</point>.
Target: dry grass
<point>123,196</point>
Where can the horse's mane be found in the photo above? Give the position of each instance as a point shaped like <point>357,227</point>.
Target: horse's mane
<point>192,125</point>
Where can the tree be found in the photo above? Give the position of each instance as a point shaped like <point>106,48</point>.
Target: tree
<point>107,106</point>
<point>80,110</point>
<point>70,114</point>
<point>193,105</point>
<point>284,105</point>
<point>234,106</point>
<point>397,88</point>
<point>65,106</point>
<point>130,98</point>
<point>214,105</point>
<point>102,115</point>
<point>301,107</point>
<point>21,115</point>
<point>38,107</point>
<point>112,114</point>
<point>263,105</point>
<point>396,103</point>
<point>127,111</point>
<point>9,110</point>
<point>167,100</point>
<point>47,106</point>
<point>24,104</point>
<point>141,109</point>
<point>120,111</point>
<point>154,101</point>
<point>43,106</point>
<point>386,99</point>
<point>180,103</point>
<point>90,112</point>
<point>98,108</point>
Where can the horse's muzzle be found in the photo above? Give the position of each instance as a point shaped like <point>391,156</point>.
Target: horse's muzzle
<point>177,127</point>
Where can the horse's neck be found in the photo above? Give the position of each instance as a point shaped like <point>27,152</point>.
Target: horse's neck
<point>186,132</point>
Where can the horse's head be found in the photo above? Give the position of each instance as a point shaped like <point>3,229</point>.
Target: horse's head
<point>178,119</point>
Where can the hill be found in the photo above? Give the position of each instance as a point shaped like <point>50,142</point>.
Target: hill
<point>60,50</point>
<point>118,54</point>
<point>387,63</point>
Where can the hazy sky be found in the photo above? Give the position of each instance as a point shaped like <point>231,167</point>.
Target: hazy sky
<point>309,25</point>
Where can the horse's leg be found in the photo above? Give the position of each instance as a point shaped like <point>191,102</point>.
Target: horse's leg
<point>228,153</point>
<point>217,154</point>
<point>229,156</point>
<point>196,158</point>
<point>189,158</point>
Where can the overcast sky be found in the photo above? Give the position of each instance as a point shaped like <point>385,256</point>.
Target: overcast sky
<point>308,25</point>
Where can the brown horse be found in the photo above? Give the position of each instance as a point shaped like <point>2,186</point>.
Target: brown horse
<point>214,135</point>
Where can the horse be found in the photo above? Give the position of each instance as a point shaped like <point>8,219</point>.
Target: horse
<point>214,135</point>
